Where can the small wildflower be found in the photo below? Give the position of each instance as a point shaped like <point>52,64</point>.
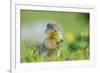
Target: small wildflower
<point>82,34</point>
<point>86,34</point>
<point>70,37</point>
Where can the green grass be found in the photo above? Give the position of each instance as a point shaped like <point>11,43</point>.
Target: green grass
<point>77,51</point>
<point>65,55</point>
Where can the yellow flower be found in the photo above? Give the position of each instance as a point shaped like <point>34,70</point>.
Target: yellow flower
<point>70,37</point>
<point>84,34</point>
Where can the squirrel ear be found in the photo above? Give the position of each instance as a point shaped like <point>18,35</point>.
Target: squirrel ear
<point>50,25</point>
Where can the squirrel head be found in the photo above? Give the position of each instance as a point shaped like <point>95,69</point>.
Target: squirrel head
<point>52,27</point>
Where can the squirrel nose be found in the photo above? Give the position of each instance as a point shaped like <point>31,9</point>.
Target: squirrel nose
<point>61,40</point>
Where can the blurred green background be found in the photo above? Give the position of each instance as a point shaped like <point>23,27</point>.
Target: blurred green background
<point>75,26</point>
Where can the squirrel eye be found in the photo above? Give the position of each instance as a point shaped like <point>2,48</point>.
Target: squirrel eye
<point>55,31</point>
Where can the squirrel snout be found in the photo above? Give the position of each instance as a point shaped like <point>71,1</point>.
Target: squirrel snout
<point>61,40</point>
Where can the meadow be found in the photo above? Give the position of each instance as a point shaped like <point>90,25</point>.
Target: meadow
<point>75,31</point>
